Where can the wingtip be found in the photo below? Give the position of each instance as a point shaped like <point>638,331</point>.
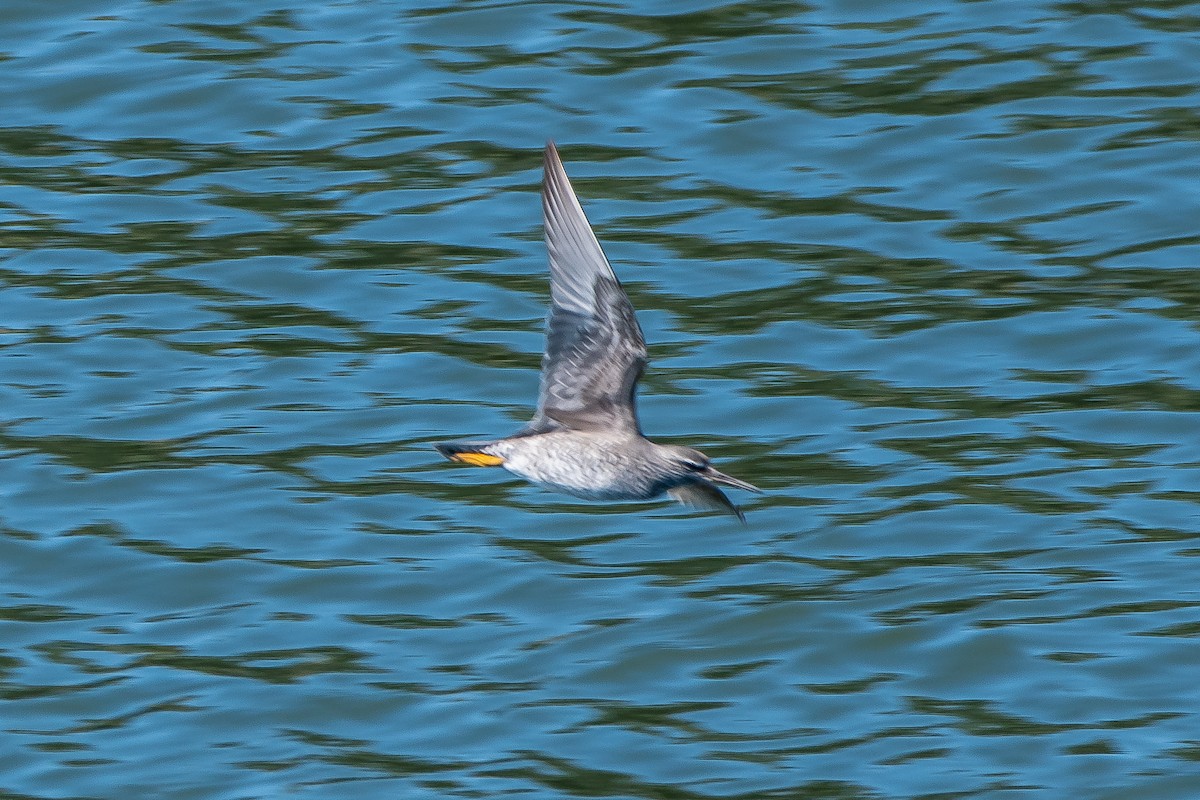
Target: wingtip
<point>704,495</point>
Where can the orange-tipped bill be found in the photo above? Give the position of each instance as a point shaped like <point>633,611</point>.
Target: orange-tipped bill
<point>466,454</point>
<point>478,459</point>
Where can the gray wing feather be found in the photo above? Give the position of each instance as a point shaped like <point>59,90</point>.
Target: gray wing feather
<point>704,495</point>
<point>595,352</point>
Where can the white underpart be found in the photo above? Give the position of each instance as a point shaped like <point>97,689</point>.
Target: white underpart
<point>599,469</point>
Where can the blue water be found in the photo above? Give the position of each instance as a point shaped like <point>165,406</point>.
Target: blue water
<point>927,274</point>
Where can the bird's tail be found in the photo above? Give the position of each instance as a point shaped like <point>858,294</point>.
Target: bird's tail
<point>473,453</point>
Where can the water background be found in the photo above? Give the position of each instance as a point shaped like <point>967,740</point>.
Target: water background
<point>924,272</point>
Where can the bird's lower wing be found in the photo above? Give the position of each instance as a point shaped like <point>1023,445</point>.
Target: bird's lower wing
<point>705,496</point>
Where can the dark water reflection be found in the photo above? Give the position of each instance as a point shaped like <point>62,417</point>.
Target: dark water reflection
<point>926,275</point>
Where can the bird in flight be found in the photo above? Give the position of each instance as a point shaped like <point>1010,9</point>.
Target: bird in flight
<point>585,439</point>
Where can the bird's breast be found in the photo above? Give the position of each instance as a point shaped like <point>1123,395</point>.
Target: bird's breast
<point>586,467</point>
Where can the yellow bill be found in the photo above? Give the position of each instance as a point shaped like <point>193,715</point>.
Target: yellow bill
<point>478,459</point>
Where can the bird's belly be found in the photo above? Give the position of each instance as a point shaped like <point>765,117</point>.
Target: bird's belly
<point>587,479</point>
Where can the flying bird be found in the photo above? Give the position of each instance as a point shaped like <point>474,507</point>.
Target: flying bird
<point>585,439</point>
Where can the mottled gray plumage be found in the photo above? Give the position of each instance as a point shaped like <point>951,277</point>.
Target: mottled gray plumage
<point>584,438</point>
<point>594,347</point>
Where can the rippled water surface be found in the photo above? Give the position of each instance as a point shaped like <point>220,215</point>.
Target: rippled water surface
<point>925,272</point>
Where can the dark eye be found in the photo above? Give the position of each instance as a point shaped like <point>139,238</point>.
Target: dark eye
<point>695,466</point>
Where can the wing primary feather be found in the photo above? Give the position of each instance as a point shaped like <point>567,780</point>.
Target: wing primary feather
<point>705,496</point>
<point>595,351</point>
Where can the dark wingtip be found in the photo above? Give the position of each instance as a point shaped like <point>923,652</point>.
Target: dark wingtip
<point>704,495</point>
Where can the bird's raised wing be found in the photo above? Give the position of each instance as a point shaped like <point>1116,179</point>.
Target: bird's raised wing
<point>594,348</point>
